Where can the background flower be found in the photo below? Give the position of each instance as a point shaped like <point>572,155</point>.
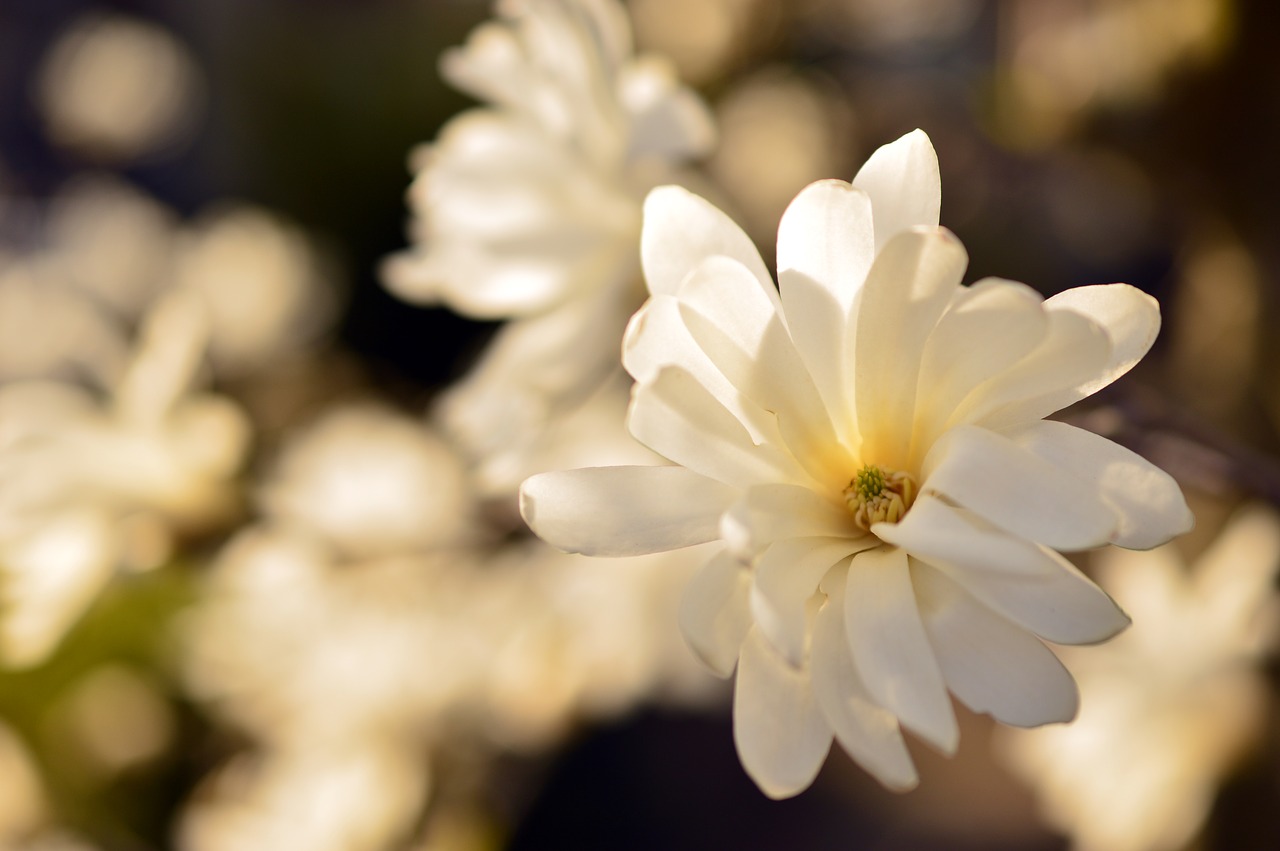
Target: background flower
<point>529,208</point>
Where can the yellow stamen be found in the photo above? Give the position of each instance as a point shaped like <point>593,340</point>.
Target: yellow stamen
<point>877,495</point>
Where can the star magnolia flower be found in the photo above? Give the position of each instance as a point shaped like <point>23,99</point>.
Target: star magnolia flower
<point>528,208</point>
<point>867,443</point>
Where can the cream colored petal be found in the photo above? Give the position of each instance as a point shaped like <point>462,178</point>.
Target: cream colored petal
<point>679,419</point>
<point>890,649</point>
<point>987,328</point>
<point>1074,350</point>
<point>818,329</point>
<point>786,576</point>
<point>1031,585</point>
<point>681,230</point>
<point>723,291</point>
<point>174,336</point>
<point>867,731</point>
<point>623,511</point>
<point>743,335</point>
<point>826,237</point>
<point>657,338</point>
<point>1130,317</point>
<point>1147,501</point>
<point>499,287</point>
<point>933,530</point>
<point>825,248</point>
<point>902,181</point>
<point>990,664</point>
<point>1063,606</point>
<point>909,286</point>
<point>778,727</point>
<point>714,613</point>
<point>774,512</point>
<point>1017,490</point>
<point>667,119</point>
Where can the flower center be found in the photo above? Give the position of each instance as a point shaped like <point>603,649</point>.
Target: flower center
<point>877,495</point>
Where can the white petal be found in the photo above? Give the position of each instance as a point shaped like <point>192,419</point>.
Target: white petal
<point>172,342</point>
<point>786,576</point>
<point>990,664</point>
<point>1148,502</point>
<point>987,328</point>
<point>890,649</point>
<point>826,238</point>
<point>714,613</point>
<point>1017,490</point>
<point>866,730</point>
<point>779,730</point>
<point>1074,350</point>
<point>657,338</point>
<point>825,248</point>
<point>743,335</point>
<point>679,419</point>
<point>818,327</point>
<point>1063,606</point>
<point>935,531</point>
<point>724,292</point>
<point>667,119</point>
<point>774,512</point>
<point>533,372</point>
<point>909,286</point>
<point>1032,586</point>
<point>681,230</point>
<point>624,511</point>
<point>1130,317</point>
<point>903,183</point>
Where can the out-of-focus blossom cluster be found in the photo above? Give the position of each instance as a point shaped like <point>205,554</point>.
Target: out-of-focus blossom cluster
<point>260,589</point>
<point>370,569</point>
<point>114,444</point>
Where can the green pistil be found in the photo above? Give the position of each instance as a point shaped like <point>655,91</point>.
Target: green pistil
<point>876,495</point>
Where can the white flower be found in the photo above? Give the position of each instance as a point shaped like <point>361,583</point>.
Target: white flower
<point>315,797</point>
<point>1170,706</point>
<point>117,88</point>
<point>868,447</point>
<point>261,281</point>
<point>371,483</point>
<point>529,207</point>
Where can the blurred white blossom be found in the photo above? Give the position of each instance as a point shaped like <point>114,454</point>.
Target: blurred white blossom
<point>116,87</point>
<point>1171,706</point>
<point>868,448</point>
<point>369,571</point>
<point>109,241</point>
<point>49,329</point>
<point>263,284</point>
<point>529,207</point>
<point>371,482</point>
<point>315,797</point>
<point>565,641</point>
<point>95,485</point>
